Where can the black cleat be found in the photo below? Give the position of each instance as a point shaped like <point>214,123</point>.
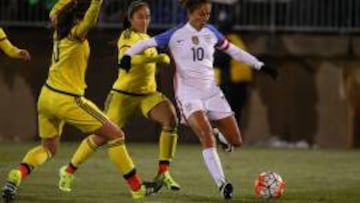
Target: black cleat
<point>226,190</point>
<point>225,145</point>
<point>152,187</point>
<point>9,191</point>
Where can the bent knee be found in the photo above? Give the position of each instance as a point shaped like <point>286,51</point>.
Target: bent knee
<point>97,140</point>
<point>237,142</point>
<point>170,123</point>
<point>207,140</point>
<point>110,131</point>
<point>53,148</point>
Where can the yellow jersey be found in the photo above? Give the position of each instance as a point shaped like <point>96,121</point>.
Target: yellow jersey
<point>140,78</point>
<point>58,6</point>
<point>6,46</point>
<point>68,65</point>
<point>70,55</point>
<point>2,34</point>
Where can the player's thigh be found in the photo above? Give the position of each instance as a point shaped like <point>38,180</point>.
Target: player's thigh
<point>187,107</point>
<point>49,126</point>
<point>200,124</point>
<point>160,109</point>
<point>90,119</point>
<point>110,131</point>
<point>83,114</point>
<point>120,107</point>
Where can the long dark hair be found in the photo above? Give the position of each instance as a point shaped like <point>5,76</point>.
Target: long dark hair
<point>192,5</point>
<point>69,15</point>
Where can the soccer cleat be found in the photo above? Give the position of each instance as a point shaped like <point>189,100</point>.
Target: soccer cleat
<point>226,190</point>
<point>139,194</point>
<point>66,179</point>
<point>146,189</point>
<point>225,145</point>
<point>168,181</point>
<point>152,187</point>
<point>12,183</point>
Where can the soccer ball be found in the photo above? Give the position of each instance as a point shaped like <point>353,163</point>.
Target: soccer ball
<point>269,185</point>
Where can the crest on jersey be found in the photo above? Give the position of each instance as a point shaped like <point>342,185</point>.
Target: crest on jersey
<point>195,40</point>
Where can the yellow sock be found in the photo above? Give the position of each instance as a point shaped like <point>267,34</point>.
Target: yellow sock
<point>84,151</point>
<point>118,154</point>
<point>37,156</point>
<point>167,144</point>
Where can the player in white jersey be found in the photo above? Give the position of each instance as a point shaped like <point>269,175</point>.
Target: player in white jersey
<point>200,100</point>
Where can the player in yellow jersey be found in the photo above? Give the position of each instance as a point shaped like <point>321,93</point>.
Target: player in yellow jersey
<point>10,50</point>
<point>135,91</point>
<point>62,101</point>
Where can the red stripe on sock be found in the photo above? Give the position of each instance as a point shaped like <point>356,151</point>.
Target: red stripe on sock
<point>70,169</point>
<point>163,168</point>
<point>24,171</point>
<point>134,182</point>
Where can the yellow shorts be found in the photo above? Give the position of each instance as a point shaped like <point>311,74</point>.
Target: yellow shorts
<point>55,109</point>
<point>120,106</point>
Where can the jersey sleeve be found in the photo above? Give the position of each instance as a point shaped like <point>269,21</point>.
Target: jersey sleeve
<point>80,30</point>
<point>7,47</point>
<point>2,34</point>
<point>123,44</point>
<point>58,6</point>
<point>163,39</point>
<point>222,43</point>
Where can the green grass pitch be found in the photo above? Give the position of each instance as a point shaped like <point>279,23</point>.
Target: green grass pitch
<point>312,176</point>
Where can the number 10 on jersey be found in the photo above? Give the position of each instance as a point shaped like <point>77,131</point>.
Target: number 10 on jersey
<point>198,53</point>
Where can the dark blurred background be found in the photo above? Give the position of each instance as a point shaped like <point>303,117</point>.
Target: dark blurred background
<point>314,44</point>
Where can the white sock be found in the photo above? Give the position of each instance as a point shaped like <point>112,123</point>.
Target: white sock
<point>213,164</point>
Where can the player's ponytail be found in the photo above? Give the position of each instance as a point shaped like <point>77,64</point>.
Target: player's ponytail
<point>126,23</point>
<point>65,20</point>
<point>126,26</point>
<point>191,5</point>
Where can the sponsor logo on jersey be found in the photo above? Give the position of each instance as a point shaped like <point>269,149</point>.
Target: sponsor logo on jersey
<point>208,39</point>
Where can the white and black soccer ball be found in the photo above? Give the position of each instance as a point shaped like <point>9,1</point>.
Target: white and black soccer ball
<point>269,185</point>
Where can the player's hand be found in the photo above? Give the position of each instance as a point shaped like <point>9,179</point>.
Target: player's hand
<point>24,55</point>
<point>273,72</point>
<point>163,58</point>
<point>125,63</point>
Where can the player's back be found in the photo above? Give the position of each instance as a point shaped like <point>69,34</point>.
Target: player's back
<point>69,64</point>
